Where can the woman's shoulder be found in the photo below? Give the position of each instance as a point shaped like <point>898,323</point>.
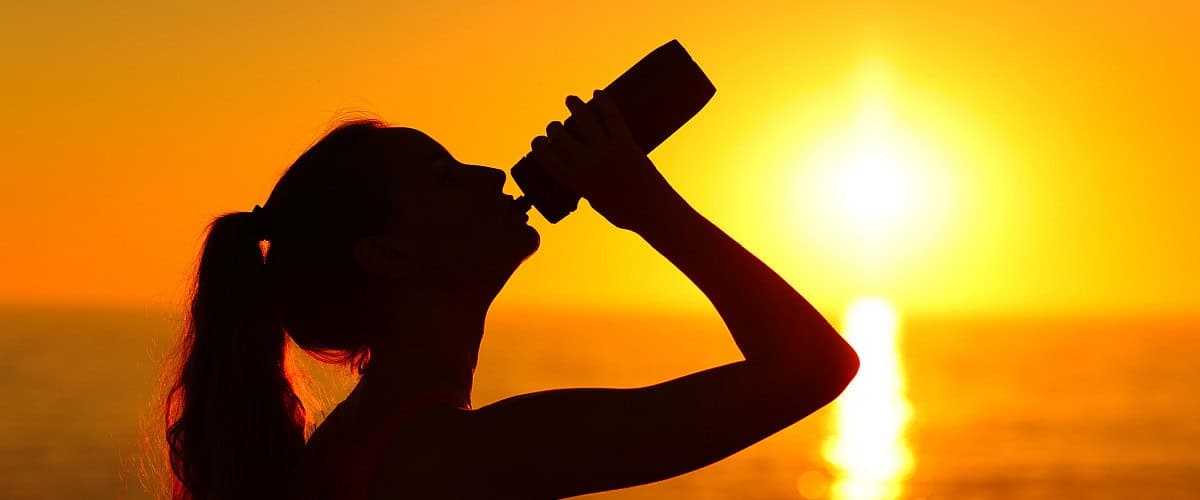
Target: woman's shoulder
<point>408,445</point>
<point>429,433</point>
<point>428,454</point>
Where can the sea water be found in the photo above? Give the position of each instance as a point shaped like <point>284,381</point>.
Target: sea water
<point>943,408</point>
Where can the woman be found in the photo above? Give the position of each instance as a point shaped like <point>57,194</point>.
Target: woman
<point>385,253</point>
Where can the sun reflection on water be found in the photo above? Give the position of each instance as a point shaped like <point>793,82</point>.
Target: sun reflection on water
<point>867,448</point>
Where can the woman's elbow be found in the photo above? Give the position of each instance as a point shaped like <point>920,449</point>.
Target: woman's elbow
<point>847,368</point>
<point>839,368</point>
<point>821,377</point>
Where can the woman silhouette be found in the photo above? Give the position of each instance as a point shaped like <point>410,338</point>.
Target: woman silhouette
<point>385,253</point>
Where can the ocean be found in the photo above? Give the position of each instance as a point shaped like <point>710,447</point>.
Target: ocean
<point>943,408</point>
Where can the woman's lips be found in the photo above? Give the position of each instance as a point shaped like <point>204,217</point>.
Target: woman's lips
<point>519,206</point>
<point>522,204</point>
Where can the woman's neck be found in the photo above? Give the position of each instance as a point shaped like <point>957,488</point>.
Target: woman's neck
<point>398,371</point>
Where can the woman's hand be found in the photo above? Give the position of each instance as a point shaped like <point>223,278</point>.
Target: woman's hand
<point>604,164</point>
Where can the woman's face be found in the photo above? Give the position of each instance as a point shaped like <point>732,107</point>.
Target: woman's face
<point>449,218</point>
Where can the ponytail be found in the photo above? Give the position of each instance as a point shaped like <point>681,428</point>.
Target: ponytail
<point>235,427</point>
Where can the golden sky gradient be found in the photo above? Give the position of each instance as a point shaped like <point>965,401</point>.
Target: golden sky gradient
<point>1037,158</point>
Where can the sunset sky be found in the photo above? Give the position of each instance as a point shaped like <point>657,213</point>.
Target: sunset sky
<point>954,157</point>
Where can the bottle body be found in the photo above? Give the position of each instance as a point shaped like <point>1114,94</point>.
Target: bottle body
<point>656,96</point>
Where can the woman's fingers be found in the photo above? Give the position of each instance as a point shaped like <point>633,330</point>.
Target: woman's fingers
<point>614,122</point>
<point>586,120</point>
<point>557,132</point>
<point>549,157</point>
<point>568,147</point>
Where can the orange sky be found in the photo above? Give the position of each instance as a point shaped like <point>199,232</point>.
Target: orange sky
<point>1053,166</point>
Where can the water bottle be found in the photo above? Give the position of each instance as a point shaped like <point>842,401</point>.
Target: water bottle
<point>656,96</point>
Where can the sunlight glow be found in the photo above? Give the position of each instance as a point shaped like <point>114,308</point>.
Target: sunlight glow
<point>873,191</point>
<point>876,164</point>
<point>880,185</point>
<point>868,447</point>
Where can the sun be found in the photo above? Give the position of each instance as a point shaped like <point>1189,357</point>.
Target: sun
<point>876,181</point>
<point>874,163</point>
<point>873,190</point>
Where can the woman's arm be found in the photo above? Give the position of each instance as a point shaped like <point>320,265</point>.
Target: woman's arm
<point>770,322</point>
<point>569,442</point>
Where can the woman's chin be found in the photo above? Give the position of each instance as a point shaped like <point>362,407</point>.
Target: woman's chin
<point>532,240</point>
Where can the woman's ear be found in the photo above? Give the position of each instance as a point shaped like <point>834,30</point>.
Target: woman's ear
<point>383,255</point>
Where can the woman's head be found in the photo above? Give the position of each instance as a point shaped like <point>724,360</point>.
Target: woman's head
<point>449,224</point>
<point>372,219</point>
<point>364,225</point>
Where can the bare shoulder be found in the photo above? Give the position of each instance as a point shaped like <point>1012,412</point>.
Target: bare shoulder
<point>425,457</point>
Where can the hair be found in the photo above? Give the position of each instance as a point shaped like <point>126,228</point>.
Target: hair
<point>234,425</point>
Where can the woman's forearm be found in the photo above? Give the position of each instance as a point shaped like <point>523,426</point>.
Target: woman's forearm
<point>769,321</point>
